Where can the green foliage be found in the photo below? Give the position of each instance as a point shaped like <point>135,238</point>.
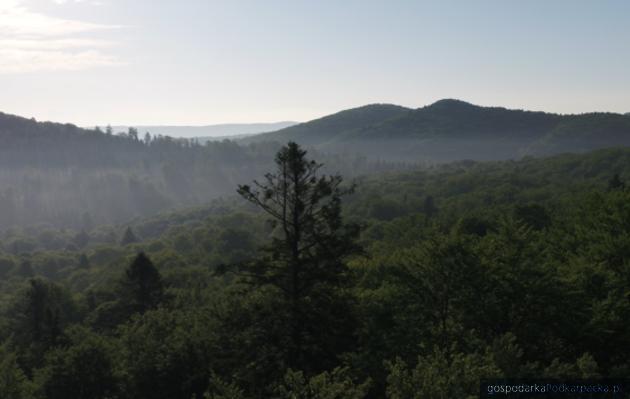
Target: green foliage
<point>439,375</point>
<point>141,289</point>
<point>219,389</point>
<point>337,384</point>
<point>13,382</point>
<point>82,369</point>
<point>166,355</point>
<point>129,237</point>
<point>523,272</point>
<point>38,317</point>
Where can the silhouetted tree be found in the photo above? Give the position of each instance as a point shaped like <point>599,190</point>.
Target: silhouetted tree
<point>133,133</point>
<point>306,261</point>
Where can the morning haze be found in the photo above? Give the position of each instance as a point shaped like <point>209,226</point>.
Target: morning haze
<point>314,199</point>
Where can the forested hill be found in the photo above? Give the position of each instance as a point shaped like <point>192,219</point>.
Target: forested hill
<point>66,176</point>
<point>49,170</point>
<point>328,128</point>
<point>63,175</point>
<point>450,130</point>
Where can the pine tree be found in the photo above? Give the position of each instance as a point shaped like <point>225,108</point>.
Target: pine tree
<point>306,262</point>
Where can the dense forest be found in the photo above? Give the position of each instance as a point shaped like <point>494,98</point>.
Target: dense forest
<point>48,171</point>
<point>59,175</point>
<point>306,283</point>
<point>450,130</point>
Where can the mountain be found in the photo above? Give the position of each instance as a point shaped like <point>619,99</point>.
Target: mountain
<point>451,129</point>
<point>320,130</point>
<point>205,133</point>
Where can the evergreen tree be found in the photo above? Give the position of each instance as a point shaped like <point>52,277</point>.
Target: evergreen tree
<point>305,262</point>
<point>129,237</point>
<point>133,133</point>
<point>37,319</point>
<point>141,288</point>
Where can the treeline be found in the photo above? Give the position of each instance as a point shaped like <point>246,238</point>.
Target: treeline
<point>418,286</point>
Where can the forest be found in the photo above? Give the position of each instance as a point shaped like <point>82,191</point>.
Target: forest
<point>409,281</point>
<point>48,171</point>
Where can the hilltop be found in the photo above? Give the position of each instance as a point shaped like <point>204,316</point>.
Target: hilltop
<point>451,129</point>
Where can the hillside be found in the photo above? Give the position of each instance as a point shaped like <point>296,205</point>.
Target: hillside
<point>319,131</point>
<point>65,176</point>
<point>451,129</point>
<point>49,171</point>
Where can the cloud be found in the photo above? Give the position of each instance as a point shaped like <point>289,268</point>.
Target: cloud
<point>32,41</point>
<point>93,2</point>
<point>23,61</point>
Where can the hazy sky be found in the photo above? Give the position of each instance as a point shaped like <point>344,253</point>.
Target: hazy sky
<point>203,61</point>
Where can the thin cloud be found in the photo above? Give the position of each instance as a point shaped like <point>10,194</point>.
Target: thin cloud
<point>93,2</point>
<point>32,41</point>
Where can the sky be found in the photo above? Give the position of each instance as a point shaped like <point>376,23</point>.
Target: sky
<point>197,62</point>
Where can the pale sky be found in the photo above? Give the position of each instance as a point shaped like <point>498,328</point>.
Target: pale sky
<point>194,62</point>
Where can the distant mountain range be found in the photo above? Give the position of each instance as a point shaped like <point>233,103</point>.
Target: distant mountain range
<point>452,129</point>
<point>209,132</point>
